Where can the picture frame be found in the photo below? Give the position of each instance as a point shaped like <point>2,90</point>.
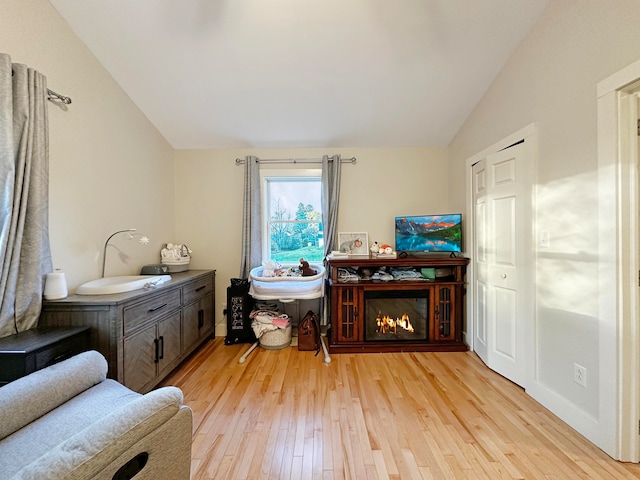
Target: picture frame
<point>353,243</point>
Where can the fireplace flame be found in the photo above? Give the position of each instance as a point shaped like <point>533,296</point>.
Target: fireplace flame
<point>387,324</point>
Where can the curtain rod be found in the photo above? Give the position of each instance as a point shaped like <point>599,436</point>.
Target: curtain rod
<point>50,93</point>
<point>62,98</point>
<point>240,161</point>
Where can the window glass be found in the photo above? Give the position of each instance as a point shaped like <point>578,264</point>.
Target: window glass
<point>293,217</point>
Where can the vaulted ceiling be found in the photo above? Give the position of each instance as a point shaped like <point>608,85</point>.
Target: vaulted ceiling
<point>303,73</point>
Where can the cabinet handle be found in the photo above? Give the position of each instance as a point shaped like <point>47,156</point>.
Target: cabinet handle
<point>157,345</point>
<point>155,309</point>
<point>200,319</point>
<point>161,356</point>
<point>59,358</point>
<point>200,288</point>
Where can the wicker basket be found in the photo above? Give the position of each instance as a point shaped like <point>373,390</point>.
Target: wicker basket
<point>179,265</point>
<point>276,339</point>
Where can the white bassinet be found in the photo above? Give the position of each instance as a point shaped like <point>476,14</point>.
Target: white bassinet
<point>286,289</point>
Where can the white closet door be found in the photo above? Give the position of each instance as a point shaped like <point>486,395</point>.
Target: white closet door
<point>503,303</point>
<point>480,341</point>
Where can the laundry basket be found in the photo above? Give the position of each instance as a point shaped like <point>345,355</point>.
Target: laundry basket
<point>276,339</point>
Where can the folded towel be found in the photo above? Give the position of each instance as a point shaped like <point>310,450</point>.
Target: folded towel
<point>260,328</point>
<point>280,322</point>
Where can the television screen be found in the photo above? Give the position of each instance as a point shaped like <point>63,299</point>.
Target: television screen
<point>429,233</point>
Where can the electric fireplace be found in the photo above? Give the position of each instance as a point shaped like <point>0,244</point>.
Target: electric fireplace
<point>396,315</point>
<point>406,313</point>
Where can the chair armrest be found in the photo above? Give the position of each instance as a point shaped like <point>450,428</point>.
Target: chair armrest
<point>88,452</point>
<point>28,398</point>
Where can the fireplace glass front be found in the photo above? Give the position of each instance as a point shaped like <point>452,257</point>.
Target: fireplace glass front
<point>396,316</point>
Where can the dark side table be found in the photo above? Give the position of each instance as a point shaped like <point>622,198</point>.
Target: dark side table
<point>37,348</point>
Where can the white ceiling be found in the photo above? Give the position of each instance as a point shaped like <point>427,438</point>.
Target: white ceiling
<point>303,73</point>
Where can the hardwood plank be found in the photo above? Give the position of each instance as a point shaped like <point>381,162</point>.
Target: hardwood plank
<point>284,414</point>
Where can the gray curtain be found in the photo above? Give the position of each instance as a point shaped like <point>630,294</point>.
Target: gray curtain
<point>25,255</point>
<point>331,172</point>
<point>251,218</point>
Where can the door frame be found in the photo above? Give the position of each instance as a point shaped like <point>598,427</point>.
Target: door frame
<point>619,259</point>
<point>529,134</point>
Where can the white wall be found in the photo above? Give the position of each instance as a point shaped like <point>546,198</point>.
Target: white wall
<point>384,182</point>
<point>551,81</point>
<point>110,169</point>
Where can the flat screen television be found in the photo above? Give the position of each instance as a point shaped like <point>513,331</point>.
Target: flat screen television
<point>429,233</point>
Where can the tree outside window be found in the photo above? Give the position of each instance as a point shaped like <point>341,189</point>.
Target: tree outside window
<point>294,219</point>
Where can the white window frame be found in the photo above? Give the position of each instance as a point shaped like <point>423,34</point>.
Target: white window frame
<point>270,173</point>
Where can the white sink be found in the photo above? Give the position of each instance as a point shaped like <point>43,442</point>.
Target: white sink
<point>127,283</point>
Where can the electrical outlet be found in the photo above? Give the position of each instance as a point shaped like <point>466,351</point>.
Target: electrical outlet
<point>545,242</point>
<point>580,375</point>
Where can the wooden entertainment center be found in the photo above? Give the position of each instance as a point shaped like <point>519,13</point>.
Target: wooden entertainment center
<point>441,283</point>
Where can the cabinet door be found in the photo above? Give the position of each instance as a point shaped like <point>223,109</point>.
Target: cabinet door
<point>197,321</point>
<point>140,358</point>
<point>208,323</point>
<point>169,341</point>
<point>190,328</point>
<point>347,313</point>
<point>445,312</point>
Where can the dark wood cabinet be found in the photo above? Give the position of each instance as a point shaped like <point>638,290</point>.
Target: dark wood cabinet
<point>37,348</point>
<point>144,334</point>
<point>443,311</point>
<point>347,308</point>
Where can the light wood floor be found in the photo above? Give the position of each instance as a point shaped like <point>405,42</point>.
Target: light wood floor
<point>286,415</point>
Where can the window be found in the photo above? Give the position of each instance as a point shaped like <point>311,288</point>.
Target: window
<point>292,213</point>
